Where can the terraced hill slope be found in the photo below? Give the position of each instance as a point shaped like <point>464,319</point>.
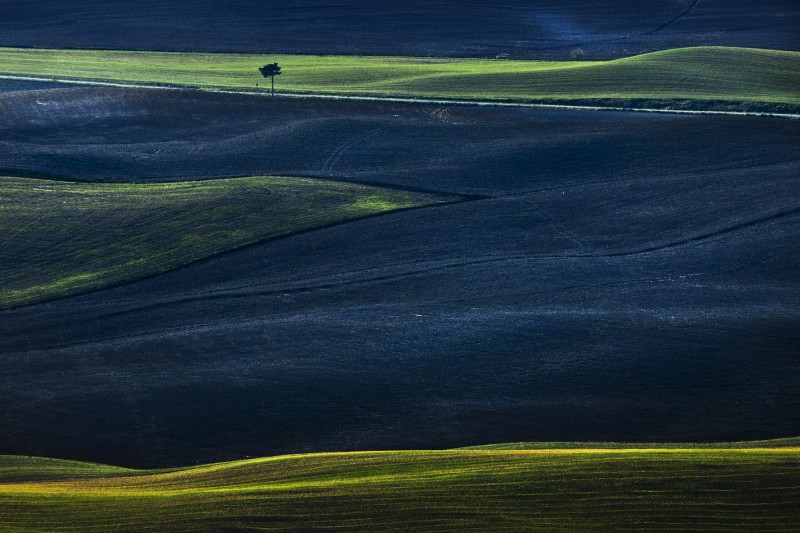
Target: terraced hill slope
<point>62,238</point>
<point>577,490</point>
<point>515,28</point>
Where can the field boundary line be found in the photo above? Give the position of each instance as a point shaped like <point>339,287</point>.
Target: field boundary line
<point>405,100</point>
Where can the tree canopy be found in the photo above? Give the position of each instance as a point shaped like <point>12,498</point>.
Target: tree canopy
<point>270,70</point>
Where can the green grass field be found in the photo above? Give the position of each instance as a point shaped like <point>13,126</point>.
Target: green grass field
<point>680,489</point>
<point>50,245</point>
<point>704,77</point>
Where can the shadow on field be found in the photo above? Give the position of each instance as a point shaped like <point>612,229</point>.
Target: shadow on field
<point>622,279</point>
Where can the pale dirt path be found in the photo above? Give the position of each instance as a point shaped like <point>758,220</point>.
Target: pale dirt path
<point>433,101</point>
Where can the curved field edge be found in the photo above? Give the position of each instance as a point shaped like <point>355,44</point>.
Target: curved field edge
<point>716,489</point>
<point>61,238</point>
<point>699,78</point>
<point>788,442</point>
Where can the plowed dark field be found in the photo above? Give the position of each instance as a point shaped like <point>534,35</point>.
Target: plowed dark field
<point>611,276</point>
<point>507,28</point>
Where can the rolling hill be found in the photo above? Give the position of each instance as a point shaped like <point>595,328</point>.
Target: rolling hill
<point>713,489</point>
<point>451,278</point>
<point>692,78</point>
<point>622,276</point>
<point>522,29</point>
<point>52,247</point>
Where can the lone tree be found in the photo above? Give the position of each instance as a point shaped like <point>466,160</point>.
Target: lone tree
<point>577,54</point>
<point>270,71</point>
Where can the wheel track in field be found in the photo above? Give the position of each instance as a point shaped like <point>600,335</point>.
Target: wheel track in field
<point>684,13</point>
<point>338,152</point>
<point>687,11</point>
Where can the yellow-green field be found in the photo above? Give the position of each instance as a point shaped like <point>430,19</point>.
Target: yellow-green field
<point>51,246</point>
<point>658,489</point>
<point>702,77</point>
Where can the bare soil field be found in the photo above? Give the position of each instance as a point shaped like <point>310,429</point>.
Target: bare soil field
<point>612,276</point>
<point>543,29</point>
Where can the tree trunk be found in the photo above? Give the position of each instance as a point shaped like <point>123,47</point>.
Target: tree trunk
<point>273,85</point>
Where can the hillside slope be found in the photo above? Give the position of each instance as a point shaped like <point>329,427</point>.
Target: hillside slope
<point>535,29</point>
<point>51,245</point>
<point>624,276</point>
<point>567,490</point>
<point>700,78</point>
